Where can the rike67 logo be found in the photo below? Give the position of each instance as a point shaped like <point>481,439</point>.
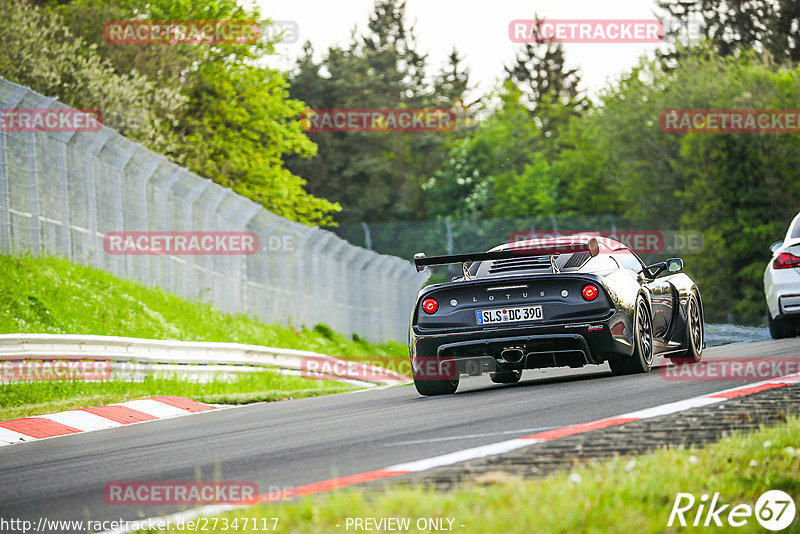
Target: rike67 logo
<point>774,510</point>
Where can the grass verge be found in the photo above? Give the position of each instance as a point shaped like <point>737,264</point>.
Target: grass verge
<point>625,494</point>
<point>24,399</point>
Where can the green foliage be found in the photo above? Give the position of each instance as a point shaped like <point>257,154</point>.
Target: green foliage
<point>242,145</point>
<point>749,188</point>
<point>40,52</point>
<point>734,25</point>
<point>325,331</point>
<point>739,190</point>
<point>173,65</point>
<point>540,151</point>
<point>459,189</point>
<point>506,171</point>
<point>531,192</point>
<point>211,108</point>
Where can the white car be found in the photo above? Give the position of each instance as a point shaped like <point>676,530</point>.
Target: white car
<point>782,284</point>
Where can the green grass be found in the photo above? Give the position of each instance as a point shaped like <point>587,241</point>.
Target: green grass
<point>624,495</point>
<point>53,295</point>
<point>23,399</point>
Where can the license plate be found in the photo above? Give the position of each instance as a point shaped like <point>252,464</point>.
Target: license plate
<point>509,315</point>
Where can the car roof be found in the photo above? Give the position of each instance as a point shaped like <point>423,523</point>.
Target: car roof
<point>606,244</point>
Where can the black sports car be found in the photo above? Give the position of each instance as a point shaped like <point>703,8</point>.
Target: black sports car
<point>566,301</point>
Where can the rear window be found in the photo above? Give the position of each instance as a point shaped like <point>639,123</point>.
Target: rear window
<point>628,260</point>
<point>795,233</point>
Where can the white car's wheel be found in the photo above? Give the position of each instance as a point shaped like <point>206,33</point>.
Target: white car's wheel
<point>782,328</point>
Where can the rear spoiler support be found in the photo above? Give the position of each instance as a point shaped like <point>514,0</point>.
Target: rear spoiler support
<point>421,262</point>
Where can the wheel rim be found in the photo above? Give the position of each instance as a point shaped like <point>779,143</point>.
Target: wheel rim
<point>645,334</point>
<point>696,326</point>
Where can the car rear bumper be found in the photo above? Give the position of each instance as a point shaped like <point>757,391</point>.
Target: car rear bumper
<point>783,293</point>
<point>571,344</point>
<point>789,304</point>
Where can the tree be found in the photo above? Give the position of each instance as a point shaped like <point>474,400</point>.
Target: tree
<point>40,52</point>
<point>376,176</point>
<point>243,145</point>
<point>487,171</point>
<point>551,89</point>
<point>739,190</point>
<point>236,122</point>
<point>459,189</point>
<point>771,26</point>
<point>452,83</point>
<point>527,194</point>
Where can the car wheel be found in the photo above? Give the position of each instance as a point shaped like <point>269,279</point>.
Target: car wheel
<point>506,377</point>
<point>642,359</point>
<point>781,328</point>
<point>695,333</point>
<point>428,386</point>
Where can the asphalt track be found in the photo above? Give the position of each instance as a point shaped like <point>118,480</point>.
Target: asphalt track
<point>286,444</point>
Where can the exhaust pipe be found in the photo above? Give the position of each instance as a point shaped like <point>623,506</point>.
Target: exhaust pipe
<point>512,355</point>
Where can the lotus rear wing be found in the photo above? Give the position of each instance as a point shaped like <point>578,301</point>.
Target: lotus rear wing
<point>521,248</point>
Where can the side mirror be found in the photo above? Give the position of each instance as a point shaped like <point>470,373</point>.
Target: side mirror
<point>775,246</point>
<point>674,265</point>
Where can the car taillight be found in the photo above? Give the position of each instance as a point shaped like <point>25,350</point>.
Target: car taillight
<point>786,261</point>
<point>430,306</point>
<point>589,292</point>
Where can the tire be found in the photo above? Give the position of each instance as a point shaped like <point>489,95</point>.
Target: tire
<point>695,334</point>
<point>506,377</point>
<point>642,359</point>
<point>429,387</point>
<point>781,328</point>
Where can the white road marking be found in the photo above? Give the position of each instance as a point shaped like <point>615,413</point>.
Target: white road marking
<point>462,456</point>
<point>9,437</point>
<point>673,407</point>
<point>81,420</point>
<point>154,408</point>
<point>470,436</point>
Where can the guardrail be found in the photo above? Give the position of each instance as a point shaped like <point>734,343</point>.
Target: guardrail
<point>187,354</point>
